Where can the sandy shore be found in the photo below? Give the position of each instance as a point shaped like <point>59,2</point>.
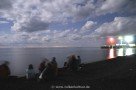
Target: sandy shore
<point>113,74</point>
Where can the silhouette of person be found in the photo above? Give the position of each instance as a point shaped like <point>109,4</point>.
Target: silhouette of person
<point>79,60</point>
<point>54,66</point>
<point>72,63</point>
<point>51,70</point>
<point>30,73</point>
<point>4,70</point>
<point>42,66</point>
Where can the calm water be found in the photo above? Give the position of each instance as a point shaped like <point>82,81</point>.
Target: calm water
<point>20,58</point>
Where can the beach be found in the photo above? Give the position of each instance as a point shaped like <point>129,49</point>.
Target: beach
<point>112,74</point>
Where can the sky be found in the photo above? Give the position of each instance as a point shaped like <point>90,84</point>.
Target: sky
<point>70,23</point>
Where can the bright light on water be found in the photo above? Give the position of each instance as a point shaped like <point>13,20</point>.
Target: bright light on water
<point>129,51</point>
<point>111,53</point>
<point>120,52</point>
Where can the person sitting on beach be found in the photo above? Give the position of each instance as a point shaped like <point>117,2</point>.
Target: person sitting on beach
<point>42,65</point>
<point>51,70</point>
<point>79,63</point>
<point>65,66</point>
<point>4,70</point>
<point>48,73</point>
<point>30,73</point>
<point>54,66</point>
<point>78,60</point>
<point>72,63</point>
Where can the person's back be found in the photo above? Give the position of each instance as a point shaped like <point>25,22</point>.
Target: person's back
<point>65,66</point>
<point>42,66</point>
<point>30,73</point>
<point>54,66</point>
<point>72,63</point>
<point>4,70</point>
<point>47,73</point>
<point>79,60</point>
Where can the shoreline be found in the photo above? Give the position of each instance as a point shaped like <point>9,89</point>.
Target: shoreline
<point>118,73</point>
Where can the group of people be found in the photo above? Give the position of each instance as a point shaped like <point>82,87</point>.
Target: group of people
<point>47,69</point>
<point>72,63</point>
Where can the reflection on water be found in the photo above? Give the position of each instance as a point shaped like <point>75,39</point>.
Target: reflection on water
<point>120,52</point>
<point>112,53</point>
<point>129,51</point>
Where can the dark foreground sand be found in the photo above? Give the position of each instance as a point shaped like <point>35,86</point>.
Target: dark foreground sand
<point>114,74</point>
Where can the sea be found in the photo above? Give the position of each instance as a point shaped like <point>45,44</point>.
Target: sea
<point>20,58</point>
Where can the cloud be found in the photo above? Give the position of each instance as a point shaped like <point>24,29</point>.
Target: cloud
<point>116,6</point>
<point>34,20</point>
<point>37,15</point>
<point>120,25</point>
<point>75,37</point>
<point>82,9</point>
<point>32,25</point>
<point>46,38</point>
<point>111,6</point>
<point>5,4</point>
<point>89,25</point>
<point>63,34</point>
<point>130,7</point>
<point>23,13</point>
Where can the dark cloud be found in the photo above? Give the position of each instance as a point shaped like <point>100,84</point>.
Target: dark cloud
<point>34,25</point>
<point>130,6</point>
<point>5,4</point>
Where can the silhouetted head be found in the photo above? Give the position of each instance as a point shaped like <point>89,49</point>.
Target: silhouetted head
<point>53,59</point>
<point>6,63</point>
<point>73,57</point>
<point>30,66</point>
<point>43,62</point>
<point>78,56</point>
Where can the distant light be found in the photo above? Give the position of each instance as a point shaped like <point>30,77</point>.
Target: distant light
<point>120,37</point>
<point>111,39</point>
<point>129,39</point>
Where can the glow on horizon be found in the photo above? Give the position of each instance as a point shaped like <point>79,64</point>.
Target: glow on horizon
<point>121,39</point>
<point>129,39</point>
<point>111,41</point>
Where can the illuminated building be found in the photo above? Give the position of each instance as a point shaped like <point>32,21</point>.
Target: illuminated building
<point>127,41</point>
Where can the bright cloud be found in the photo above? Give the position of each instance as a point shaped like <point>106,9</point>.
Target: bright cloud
<point>120,25</point>
<point>89,25</point>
